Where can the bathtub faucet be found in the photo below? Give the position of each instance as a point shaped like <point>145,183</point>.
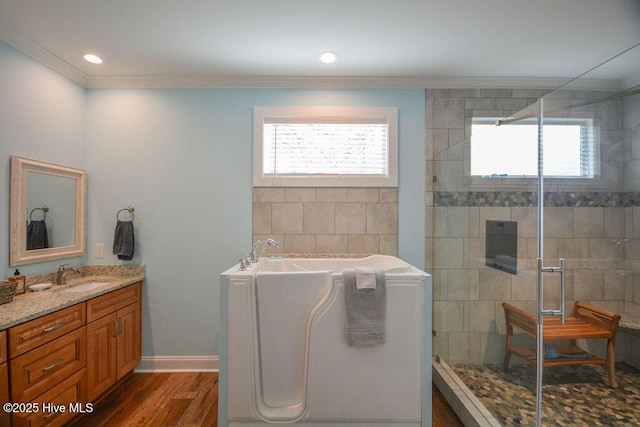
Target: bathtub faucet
<point>259,247</point>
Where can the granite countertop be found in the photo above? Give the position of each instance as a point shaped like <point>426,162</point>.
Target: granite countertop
<point>36,304</point>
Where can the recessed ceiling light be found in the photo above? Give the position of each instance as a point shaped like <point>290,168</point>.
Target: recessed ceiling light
<point>328,57</point>
<point>94,59</point>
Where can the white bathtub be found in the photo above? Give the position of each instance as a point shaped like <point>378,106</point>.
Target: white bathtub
<point>284,358</point>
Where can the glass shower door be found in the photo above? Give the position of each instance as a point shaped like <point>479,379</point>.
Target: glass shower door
<point>484,239</point>
<point>483,187</point>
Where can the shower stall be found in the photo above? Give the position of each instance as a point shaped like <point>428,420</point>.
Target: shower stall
<point>535,201</point>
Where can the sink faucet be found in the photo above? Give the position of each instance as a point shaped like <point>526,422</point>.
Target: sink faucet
<point>61,279</point>
<point>259,247</point>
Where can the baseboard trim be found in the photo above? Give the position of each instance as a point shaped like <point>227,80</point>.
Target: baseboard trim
<point>178,364</point>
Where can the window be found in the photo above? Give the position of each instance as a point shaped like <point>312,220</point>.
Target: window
<point>325,146</point>
<point>512,150</point>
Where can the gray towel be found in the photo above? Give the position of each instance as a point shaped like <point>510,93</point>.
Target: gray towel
<point>550,352</point>
<point>37,237</point>
<point>366,310</point>
<point>123,240</point>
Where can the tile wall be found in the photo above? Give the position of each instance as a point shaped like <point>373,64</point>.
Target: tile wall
<point>593,224</point>
<point>327,220</point>
<point>585,222</point>
<point>631,124</point>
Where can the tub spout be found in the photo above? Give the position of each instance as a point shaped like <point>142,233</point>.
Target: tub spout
<point>259,247</point>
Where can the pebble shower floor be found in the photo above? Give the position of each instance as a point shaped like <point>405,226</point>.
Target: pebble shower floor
<point>572,395</point>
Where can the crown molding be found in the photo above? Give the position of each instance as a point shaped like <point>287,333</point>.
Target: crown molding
<point>321,82</point>
<point>42,55</point>
<point>54,62</point>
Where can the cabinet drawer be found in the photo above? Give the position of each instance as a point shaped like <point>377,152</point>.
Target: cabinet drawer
<point>34,333</point>
<point>113,301</point>
<point>40,369</point>
<point>3,346</point>
<point>70,391</point>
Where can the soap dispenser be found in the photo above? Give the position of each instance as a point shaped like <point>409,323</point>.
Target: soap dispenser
<point>17,277</point>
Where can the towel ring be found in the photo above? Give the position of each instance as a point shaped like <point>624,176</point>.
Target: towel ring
<point>43,208</point>
<point>129,209</point>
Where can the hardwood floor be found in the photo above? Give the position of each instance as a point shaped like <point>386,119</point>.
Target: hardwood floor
<point>154,400</point>
<point>442,412</point>
<point>185,399</point>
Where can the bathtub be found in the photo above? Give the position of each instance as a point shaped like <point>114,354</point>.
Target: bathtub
<point>284,359</point>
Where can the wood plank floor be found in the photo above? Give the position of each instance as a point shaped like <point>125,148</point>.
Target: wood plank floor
<point>185,399</point>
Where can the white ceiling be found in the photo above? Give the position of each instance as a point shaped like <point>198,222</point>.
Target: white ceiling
<point>275,43</point>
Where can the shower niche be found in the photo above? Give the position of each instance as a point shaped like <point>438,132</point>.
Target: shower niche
<point>501,250</point>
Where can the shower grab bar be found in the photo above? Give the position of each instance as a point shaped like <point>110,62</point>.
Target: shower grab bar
<point>560,269</point>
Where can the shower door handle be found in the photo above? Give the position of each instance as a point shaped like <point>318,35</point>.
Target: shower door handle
<point>560,269</point>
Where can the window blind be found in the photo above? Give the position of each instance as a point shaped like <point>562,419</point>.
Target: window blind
<point>511,150</point>
<point>325,146</point>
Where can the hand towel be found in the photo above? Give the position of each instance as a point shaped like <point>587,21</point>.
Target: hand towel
<point>123,240</point>
<point>365,278</point>
<point>37,237</point>
<point>366,310</point>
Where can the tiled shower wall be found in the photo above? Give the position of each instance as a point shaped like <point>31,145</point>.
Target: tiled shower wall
<point>327,220</point>
<point>631,125</point>
<point>587,223</point>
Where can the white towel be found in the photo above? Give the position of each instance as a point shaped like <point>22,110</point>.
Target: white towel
<point>365,278</point>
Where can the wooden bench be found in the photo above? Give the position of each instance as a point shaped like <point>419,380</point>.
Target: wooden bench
<point>586,322</point>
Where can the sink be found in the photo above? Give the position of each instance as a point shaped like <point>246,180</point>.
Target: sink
<point>85,287</point>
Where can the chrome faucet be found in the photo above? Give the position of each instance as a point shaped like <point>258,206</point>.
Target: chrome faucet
<point>61,279</point>
<point>259,247</point>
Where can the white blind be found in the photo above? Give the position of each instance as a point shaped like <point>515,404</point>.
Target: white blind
<point>511,150</point>
<point>325,146</point>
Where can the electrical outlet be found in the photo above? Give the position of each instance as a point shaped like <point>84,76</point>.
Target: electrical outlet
<point>99,252</point>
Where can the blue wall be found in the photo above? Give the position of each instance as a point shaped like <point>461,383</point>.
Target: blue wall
<point>42,117</point>
<point>183,159</point>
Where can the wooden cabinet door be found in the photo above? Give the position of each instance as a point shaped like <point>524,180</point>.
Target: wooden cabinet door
<point>129,339</point>
<point>114,340</point>
<point>5,417</point>
<point>101,355</point>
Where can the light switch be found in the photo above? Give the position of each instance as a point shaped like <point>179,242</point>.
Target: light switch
<point>99,252</point>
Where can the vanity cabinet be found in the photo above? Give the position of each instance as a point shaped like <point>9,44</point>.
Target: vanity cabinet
<point>70,357</point>
<point>4,379</point>
<point>48,358</point>
<point>70,390</point>
<point>114,337</point>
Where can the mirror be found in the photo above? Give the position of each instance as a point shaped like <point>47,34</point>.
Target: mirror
<point>47,211</point>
